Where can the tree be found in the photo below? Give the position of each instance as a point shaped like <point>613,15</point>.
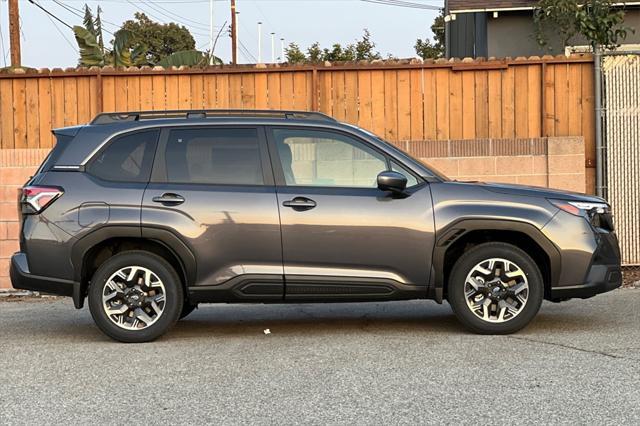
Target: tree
<point>161,40</point>
<point>595,20</point>
<point>363,49</point>
<point>294,55</point>
<point>428,49</point>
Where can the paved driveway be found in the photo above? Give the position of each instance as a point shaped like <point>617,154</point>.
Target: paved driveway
<point>375,363</point>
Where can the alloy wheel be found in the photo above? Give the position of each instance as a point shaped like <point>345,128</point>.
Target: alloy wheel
<point>496,290</point>
<point>133,298</point>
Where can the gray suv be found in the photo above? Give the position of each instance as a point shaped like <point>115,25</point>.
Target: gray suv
<point>148,214</point>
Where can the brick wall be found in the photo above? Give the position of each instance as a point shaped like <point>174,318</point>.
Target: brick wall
<point>550,162</point>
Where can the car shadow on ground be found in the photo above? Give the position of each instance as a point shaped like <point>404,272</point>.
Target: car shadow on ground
<point>424,318</point>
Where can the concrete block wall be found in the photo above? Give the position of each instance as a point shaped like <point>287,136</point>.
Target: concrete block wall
<point>549,162</point>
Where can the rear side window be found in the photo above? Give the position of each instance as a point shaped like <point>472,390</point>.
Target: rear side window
<point>214,156</point>
<point>62,141</point>
<point>127,158</point>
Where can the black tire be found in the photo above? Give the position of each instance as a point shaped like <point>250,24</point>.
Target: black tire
<point>173,300</point>
<point>464,266</point>
<point>187,308</point>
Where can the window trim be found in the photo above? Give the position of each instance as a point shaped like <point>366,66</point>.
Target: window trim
<point>278,170</point>
<point>115,138</point>
<point>159,171</point>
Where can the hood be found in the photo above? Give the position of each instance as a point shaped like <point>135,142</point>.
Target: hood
<point>536,191</point>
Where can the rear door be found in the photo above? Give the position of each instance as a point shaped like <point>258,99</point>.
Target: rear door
<point>342,237</point>
<point>213,189</point>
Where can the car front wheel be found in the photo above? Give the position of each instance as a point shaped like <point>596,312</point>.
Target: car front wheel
<point>495,288</point>
<point>135,296</point>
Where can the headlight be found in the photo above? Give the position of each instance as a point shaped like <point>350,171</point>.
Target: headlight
<point>581,208</point>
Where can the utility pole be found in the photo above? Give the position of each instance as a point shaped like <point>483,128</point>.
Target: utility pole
<point>273,48</point>
<point>211,32</point>
<point>14,33</point>
<point>234,34</point>
<point>259,42</point>
<point>282,50</point>
<point>237,32</point>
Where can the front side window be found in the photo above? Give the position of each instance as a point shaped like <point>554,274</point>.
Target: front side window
<point>127,158</point>
<point>214,156</point>
<point>320,158</point>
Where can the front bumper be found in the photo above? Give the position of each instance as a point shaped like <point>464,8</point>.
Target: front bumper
<point>22,279</point>
<point>604,274</point>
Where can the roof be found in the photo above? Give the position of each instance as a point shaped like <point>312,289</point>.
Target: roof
<point>493,5</point>
<point>458,5</point>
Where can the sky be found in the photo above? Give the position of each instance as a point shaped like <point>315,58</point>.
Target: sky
<point>394,29</point>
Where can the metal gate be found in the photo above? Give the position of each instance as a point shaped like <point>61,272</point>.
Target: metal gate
<point>621,154</point>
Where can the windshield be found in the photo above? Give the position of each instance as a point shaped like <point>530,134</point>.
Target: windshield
<point>432,171</point>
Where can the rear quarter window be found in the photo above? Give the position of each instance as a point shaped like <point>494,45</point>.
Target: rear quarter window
<point>127,158</point>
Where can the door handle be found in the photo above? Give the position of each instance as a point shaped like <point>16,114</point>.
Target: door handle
<point>300,203</point>
<point>169,198</point>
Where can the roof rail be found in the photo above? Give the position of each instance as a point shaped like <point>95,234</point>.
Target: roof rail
<point>118,117</point>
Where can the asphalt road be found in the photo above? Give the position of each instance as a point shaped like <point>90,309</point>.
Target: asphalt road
<point>374,363</point>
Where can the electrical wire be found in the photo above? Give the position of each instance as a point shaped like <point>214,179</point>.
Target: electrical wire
<point>402,3</point>
<point>51,16</point>
<point>4,55</point>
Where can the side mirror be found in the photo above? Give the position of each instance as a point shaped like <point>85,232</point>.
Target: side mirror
<point>392,181</point>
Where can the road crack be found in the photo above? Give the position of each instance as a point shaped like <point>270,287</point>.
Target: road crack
<point>565,346</point>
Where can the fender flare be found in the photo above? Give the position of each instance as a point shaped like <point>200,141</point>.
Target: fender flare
<point>158,235</point>
<point>458,229</point>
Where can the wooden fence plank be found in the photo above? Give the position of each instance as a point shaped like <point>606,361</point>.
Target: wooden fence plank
<point>146,93</point>
<point>364,100</point>
<point>549,100</point>
<point>588,113</point>
<point>404,105</point>
<point>508,103</point>
<point>248,91</point>
<point>209,84</point>
<point>575,99</point>
<point>521,102</point>
<point>274,90</point>
<point>20,113</point>
<point>159,92</point>
<point>57,105</point>
<point>6,110</point>
<point>562,105</point>
<point>70,101</point>
<point>495,104</point>
<point>121,93</point>
<point>482,104</point>
<point>33,119</point>
<point>456,119</point>
<point>442,104</point>
<point>184,92</point>
<point>430,104</point>
<point>286,90</point>
<point>391,105</point>
<point>109,94</point>
<point>84,100</point>
<point>351,96</point>
<point>337,95</point>
<point>417,106</point>
<point>222,91</point>
<point>133,93</point>
<point>172,100</point>
<point>377,102</point>
<point>325,101</point>
<point>300,95</point>
<point>468,122</point>
<point>261,91</point>
<point>534,101</point>
<point>44,112</point>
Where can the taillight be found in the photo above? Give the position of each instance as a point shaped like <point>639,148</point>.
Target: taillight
<point>37,198</point>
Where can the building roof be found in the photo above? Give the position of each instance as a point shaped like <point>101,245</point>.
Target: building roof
<point>494,5</point>
<point>461,5</point>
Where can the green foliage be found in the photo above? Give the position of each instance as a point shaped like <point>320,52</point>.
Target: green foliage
<point>294,55</point>
<point>140,42</point>
<point>428,49</point>
<point>161,40</point>
<point>598,21</point>
<point>363,49</point>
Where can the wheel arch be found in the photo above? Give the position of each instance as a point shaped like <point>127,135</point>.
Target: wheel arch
<point>93,249</point>
<point>458,237</point>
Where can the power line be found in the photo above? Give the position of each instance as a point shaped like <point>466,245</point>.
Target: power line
<point>50,15</point>
<point>4,55</point>
<point>179,16</point>
<point>402,3</point>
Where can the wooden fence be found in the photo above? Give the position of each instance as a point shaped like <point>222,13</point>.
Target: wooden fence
<point>523,98</point>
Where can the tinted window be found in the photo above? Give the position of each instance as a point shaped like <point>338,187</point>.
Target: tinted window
<point>319,158</point>
<point>127,158</point>
<point>214,156</point>
<point>411,180</point>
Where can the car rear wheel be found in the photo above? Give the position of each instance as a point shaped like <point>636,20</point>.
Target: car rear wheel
<point>135,296</point>
<point>495,288</point>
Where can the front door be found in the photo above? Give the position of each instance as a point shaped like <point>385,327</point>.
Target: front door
<point>342,237</point>
<point>213,189</point>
